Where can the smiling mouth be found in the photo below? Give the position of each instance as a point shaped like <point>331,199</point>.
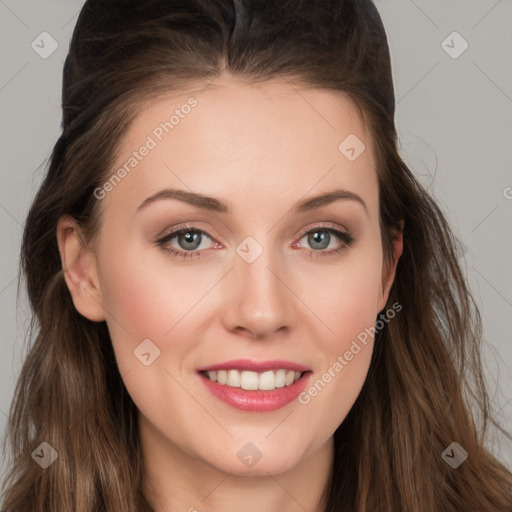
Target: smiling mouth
<point>254,381</point>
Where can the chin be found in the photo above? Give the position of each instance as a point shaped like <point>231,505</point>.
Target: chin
<point>271,465</point>
<point>249,460</point>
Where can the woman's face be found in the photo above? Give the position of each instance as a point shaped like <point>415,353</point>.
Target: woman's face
<point>257,284</point>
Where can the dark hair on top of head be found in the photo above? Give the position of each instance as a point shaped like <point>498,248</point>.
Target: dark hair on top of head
<point>425,375</point>
<point>240,32</point>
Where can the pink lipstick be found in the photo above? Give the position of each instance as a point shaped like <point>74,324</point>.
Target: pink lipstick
<point>255,386</point>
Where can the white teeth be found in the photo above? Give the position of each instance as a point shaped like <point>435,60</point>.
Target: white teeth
<point>248,380</point>
<point>280,380</point>
<point>233,378</point>
<point>222,377</point>
<point>265,381</point>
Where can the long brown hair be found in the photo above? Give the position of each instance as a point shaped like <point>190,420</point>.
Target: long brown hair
<point>425,385</point>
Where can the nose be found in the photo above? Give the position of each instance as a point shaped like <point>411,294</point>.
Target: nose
<point>257,299</point>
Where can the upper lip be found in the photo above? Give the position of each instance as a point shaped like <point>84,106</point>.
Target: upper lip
<point>255,366</point>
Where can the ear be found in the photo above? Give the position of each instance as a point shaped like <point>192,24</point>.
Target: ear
<point>80,270</point>
<point>389,270</point>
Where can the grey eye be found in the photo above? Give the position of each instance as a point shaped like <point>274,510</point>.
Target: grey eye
<point>319,239</point>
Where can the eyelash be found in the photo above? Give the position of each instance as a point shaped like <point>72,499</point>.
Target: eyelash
<point>344,236</point>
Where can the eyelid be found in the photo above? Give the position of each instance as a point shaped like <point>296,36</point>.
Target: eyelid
<point>179,254</point>
<point>322,225</point>
<point>183,228</point>
<point>345,237</point>
<point>325,226</point>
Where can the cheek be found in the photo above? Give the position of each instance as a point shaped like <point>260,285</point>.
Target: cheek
<point>345,301</point>
<point>145,299</point>
<point>344,297</point>
<point>150,303</point>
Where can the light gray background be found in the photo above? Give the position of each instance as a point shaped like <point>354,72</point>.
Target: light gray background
<point>454,118</point>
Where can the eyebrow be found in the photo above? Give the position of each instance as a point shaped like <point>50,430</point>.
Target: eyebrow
<point>215,205</point>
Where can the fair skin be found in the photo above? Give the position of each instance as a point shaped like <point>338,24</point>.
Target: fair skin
<point>260,149</point>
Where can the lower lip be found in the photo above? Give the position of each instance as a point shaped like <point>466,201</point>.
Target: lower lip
<point>257,400</point>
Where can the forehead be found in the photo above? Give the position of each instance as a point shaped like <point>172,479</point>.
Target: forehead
<point>233,139</point>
